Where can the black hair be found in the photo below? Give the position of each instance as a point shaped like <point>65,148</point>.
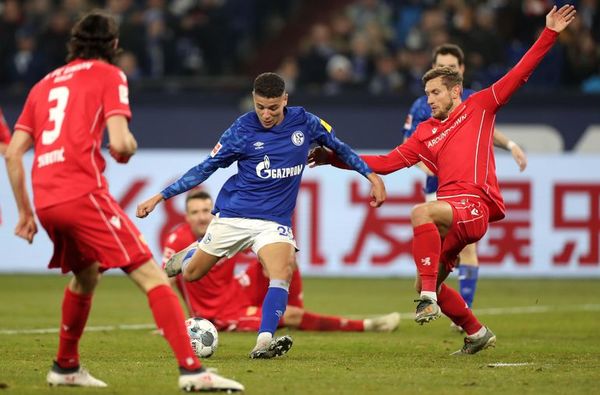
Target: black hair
<point>269,85</point>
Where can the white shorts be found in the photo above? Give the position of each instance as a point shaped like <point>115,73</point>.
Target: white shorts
<point>228,236</point>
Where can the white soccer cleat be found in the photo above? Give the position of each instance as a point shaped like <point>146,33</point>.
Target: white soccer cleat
<point>274,348</point>
<point>173,265</point>
<point>80,378</point>
<point>208,381</point>
<point>384,323</point>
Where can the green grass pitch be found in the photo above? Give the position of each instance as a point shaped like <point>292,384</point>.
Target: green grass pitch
<point>556,334</point>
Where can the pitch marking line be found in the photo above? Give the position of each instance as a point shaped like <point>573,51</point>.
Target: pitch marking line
<point>411,315</point>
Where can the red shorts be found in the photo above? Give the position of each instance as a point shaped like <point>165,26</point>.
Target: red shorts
<point>93,228</point>
<point>469,223</point>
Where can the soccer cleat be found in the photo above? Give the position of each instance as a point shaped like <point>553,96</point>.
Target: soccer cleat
<point>473,346</point>
<point>79,378</point>
<point>456,328</point>
<point>275,348</point>
<point>208,381</point>
<point>427,310</point>
<point>385,323</point>
<point>173,265</point>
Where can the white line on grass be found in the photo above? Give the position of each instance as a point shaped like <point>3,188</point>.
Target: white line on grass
<point>411,315</point>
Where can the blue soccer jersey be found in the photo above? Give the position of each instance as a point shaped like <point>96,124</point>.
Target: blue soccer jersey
<point>270,165</point>
<point>419,112</point>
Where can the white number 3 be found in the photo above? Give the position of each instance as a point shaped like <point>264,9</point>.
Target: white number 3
<point>57,113</point>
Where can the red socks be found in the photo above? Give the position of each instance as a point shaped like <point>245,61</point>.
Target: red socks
<point>427,245</point>
<point>455,307</point>
<point>169,318</point>
<point>75,312</point>
<point>318,322</point>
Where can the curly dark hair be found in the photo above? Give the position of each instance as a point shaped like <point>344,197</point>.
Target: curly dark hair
<point>269,85</point>
<point>93,37</point>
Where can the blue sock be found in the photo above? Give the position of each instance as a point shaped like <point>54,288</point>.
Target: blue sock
<point>274,305</point>
<point>187,258</point>
<point>467,282</point>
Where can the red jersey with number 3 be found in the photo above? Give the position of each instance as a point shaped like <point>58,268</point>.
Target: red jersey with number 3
<point>66,114</point>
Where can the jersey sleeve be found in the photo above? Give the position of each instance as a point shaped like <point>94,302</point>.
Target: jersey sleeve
<point>323,134</point>
<point>115,98</point>
<point>501,91</point>
<point>414,117</point>
<point>404,155</point>
<point>4,130</point>
<point>231,147</point>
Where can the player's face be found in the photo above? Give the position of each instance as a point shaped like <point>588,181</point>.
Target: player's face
<point>441,99</point>
<point>450,61</point>
<point>270,110</point>
<point>198,215</point>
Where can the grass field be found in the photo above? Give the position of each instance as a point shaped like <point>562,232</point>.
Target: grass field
<point>556,332</point>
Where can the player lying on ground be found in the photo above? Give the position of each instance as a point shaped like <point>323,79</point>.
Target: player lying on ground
<point>254,207</point>
<point>64,119</point>
<point>233,303</point>
<point>456,145</point>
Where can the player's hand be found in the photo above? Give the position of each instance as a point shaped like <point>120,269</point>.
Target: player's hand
<point>120,158</point>
<point>319,156</point>
<point>519,157</point>
<point>26,227</point>
<point>145,208</point>
<point>559,20</point>
<point>377,190</point>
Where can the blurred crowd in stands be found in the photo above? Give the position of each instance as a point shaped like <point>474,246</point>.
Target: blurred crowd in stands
<point>379,46</point>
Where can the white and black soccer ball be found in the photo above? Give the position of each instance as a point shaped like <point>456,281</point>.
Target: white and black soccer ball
<point>203,335</point>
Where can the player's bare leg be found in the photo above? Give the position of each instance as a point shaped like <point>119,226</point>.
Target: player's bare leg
<point>192,262</point>
<point>296,317</point>
<point>169,318</point>
<point>431,222</point>
<point>75,311</point>
<point>279,260</point>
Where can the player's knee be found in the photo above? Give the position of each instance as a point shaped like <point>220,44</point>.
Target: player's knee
<point>469,255</point>
<point>420,215</point>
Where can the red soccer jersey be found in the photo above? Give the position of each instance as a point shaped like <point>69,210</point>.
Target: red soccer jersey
<point>4,130</point>
<point>214,295</point>
<point>65,114</point>
<point>459,149</point>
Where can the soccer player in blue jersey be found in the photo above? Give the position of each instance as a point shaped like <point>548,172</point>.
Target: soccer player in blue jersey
<point>254,207</point>
<point>450,55</point>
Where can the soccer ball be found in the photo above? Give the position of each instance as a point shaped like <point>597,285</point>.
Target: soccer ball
<point>203,335</point>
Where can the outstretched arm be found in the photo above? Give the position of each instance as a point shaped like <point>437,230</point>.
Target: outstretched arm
<point>500,92</point>
<point>502,141</point>
<point>227,151</point>
<point>404,155</point>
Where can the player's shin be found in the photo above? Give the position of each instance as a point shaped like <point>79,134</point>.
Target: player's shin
<point>75,312</point>
<point>273,309</point>
<point>453,306</point>
<point>426,252</point>
<point>170,319</point>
